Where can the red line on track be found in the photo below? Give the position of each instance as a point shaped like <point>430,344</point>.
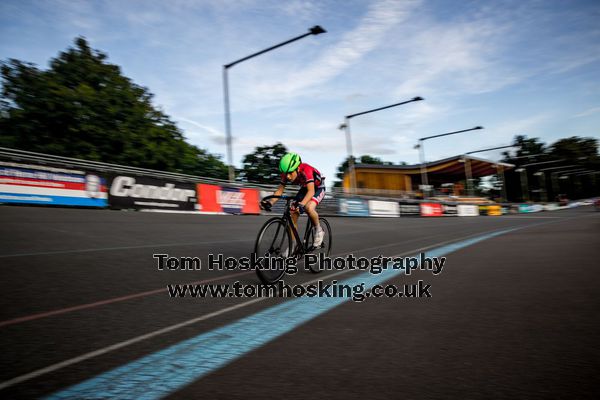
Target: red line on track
<point>104,302</point>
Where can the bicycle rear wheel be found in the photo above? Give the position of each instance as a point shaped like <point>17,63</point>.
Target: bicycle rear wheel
<point>325,247</point>
<point>273,240</point>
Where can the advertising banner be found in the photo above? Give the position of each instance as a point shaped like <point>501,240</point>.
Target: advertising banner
<point>217,199</point>
<point>140,192</point>
<point>354,207</point>
<point>379,208</point>
<point>551,207</point>
<point>467,210</point>
<point>536,208</point>
<point>529,208</point>
<point>450,210</point>
<point>492,210</point>
<point>37,184</point>
<point>409,209</point>
<point>431,210</point>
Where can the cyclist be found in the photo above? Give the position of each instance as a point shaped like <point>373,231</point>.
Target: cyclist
<point>312,191</point>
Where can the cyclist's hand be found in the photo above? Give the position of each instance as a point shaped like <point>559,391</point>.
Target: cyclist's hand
<point>266,205</point>
<point>296,206</point>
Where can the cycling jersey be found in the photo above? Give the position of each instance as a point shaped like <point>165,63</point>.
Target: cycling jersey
<point>306,174</point>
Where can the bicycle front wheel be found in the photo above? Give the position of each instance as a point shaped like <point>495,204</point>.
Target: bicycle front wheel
<point>273,240</point>
<point>324,248</point>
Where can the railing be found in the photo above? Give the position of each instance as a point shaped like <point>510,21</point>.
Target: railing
<point>68,162</point>
<point>52,160</point>
<point>379,193</point>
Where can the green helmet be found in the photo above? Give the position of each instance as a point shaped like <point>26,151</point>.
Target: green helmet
<point>289,163</point>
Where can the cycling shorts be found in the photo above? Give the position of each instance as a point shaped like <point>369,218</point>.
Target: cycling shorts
<point>317,197</point>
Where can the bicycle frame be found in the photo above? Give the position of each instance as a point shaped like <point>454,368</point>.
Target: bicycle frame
<point>300,248</point>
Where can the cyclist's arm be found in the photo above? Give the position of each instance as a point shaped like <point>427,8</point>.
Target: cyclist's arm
<point>310,192</point>
<point>278,192</point>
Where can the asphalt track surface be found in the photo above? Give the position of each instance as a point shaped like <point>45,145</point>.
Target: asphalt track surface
<point>515,315</point>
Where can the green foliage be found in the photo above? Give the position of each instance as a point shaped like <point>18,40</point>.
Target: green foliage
<point>526,147</point>
<point>262,166</point>
<point>573,150</point>
<point>576,150</point>
<point>568,153</point>
<point>84,107</point>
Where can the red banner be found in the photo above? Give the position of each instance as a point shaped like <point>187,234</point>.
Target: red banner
<point>217,199</point>
<point>431,210</point>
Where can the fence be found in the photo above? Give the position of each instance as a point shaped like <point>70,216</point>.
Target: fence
<point>34,178</point>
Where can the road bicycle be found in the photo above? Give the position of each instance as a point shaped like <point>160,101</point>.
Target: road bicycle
<point>274,240</point>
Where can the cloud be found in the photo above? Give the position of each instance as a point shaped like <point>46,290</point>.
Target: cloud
<point>300,9</point>
<point>380,145</point>
<point>519,126</point>
<point>455,58</point>
<point>587,112</point>
<point>214,135</point>
<point>346,52</point>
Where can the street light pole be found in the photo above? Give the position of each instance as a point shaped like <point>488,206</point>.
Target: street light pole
<point>553,181</point>
<point>352,173</point>
<point>543,198</point>
<point>524,168</point>
<point>315,30</point>
<point>524,184</point>
<point>424,179</point>
<point>469,177</point>
<point>501,168</point>
<point>228,141</point>
<point>346,127</point>
<point>497,167</point>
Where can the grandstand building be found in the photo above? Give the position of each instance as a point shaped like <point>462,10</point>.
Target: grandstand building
<point>445,176</point>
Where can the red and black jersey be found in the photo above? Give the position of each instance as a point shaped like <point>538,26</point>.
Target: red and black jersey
<point>306,174</point>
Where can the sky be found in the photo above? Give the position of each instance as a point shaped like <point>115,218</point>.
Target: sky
<point>514,67</point>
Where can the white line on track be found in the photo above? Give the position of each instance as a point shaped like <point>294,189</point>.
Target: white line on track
<point>116,346</point>
<point>96,353</point>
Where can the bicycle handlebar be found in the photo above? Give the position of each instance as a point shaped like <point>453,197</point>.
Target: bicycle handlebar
<point>283,197</point>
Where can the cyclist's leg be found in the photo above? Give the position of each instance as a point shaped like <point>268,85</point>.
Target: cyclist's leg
<point>295,214</point>
<point>311,207</point>
<point>311,210</point>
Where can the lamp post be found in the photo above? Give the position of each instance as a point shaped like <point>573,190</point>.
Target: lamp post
<point>574,173</point>
<point>315,30</point>
<point>555,170</point>
<point>543,193</point>
<point>582,171</point>
<point>524,184</point>
<point>524,168</point>
<point>346,127</point>
<point>497,167</point>
<point>424,180</point>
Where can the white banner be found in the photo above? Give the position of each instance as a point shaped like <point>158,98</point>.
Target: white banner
<point>383,208</point>
<point>467,210</point>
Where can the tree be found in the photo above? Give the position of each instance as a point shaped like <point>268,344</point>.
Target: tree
<point>576,150</point>
<point>262,166</point>
<point>573,151</point>
<point>84,107</point>
<point>526,148</point>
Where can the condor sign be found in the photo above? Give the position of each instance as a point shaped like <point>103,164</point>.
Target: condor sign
<point>216,199</point>
<point>149,193</point>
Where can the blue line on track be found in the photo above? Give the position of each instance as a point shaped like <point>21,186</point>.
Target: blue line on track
<point>165,371</point>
